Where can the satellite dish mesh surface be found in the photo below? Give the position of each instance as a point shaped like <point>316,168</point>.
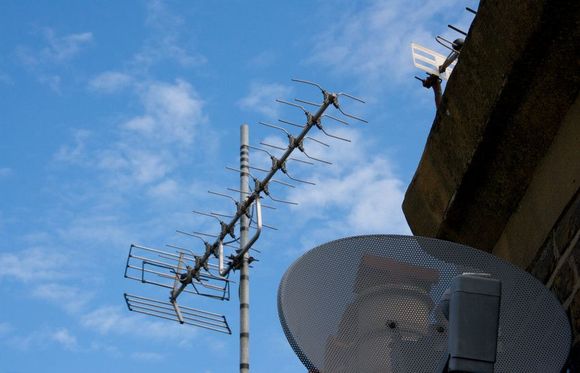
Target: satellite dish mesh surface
<point>370,304</point>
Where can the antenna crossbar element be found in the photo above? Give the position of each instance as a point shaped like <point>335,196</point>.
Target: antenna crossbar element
<point>457,30</point>
<point>174,312</point>
<point>470,10</point>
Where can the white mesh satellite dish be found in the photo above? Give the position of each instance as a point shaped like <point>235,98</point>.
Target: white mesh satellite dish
<point>430,61</point>
<point>388,303</point>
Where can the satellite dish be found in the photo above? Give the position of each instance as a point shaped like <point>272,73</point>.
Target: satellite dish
<point>374,304</point>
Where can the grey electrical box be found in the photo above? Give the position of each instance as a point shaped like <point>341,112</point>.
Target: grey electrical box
<point>474,310</point>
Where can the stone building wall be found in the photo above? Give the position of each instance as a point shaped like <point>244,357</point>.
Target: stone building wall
<point>501,166</point>
<point>557,264</point>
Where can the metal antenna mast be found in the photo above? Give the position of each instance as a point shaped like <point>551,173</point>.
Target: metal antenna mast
<point>182,271</point>
<point>244,271</point>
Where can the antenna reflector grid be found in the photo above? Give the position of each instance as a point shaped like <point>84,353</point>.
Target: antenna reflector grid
<point>161,268</point>
<point>429,61</point>
<point>171,311</point>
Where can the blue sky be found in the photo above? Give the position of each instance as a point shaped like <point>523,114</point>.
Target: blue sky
<point>118,116</point>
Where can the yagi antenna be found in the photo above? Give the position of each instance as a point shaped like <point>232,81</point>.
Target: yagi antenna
<point>437,66</point>
<point>206,273</point>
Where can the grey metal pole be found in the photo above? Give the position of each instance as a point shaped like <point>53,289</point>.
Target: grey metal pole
<point>244,289</point>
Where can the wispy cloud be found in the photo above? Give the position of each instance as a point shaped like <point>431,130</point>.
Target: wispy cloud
<point>359,194</point>
<point>64,338</point>
<point>165,44</point>
<point>76,152</point>
<point>46,265</point>
<point>111,320</point>
<point>71,298</point>
<point>261,96</point>
<point>5,79</point>
<point>5,172</point>
<point>47,275</point>
<point>63,48</point>
<point>40,339</point>
<point>372,41</point>
<point>5,328</point>
<point>53,81</point>
<point>149,146</point>
<point>164,189</point>
<point>127,165</point>
<point>47,60</point>
<point>110,82</point>
<point>147,356</point>
<point>262,60</point>
<point>172,111</point>
<point>56,49</point>
<point>367,198</point>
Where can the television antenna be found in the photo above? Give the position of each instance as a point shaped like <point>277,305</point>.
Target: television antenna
<point>437,66</point>
<point>390,303</point>
<point>207,273</point>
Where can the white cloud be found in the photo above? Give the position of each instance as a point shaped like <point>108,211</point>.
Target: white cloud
<point>358,194</point>
<point>47,62</point>
<point>143,124</point>
<point>108,320</point>
<point>261,98</point>
<point>110,82</point>
<point>64,338</point>
<point>262,60</point>
<point>147,356</point>
<point>57,49</point>
<point>374,42</point>
<point>32,265</point>
<point>43,273</point>
<point>62,48</point>
<point>5,79</point>
<point>172,113</point>
<point>75,153</point>
<point>71,298</point>
<point>5,172</point>
<point>53,81</point>
<point>38,339</point>
<point>151,144</point>
<point>106,348</point>
<point>125,166</point>
<point>148,146</point>
<point>5,328</point>
<point>362,201</point>
<point>166,43</point>
<point>93,230</point>
<point>148,166</point>
<point>165,189</point>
